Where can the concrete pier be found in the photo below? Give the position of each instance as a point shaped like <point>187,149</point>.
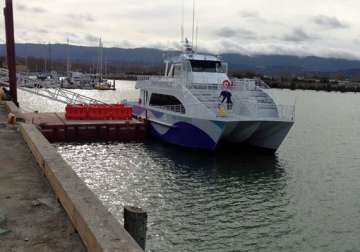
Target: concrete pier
<point>33,178</point>
<point>34,221</point>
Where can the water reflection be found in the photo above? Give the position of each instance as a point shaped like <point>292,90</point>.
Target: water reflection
<point>303,199</point>
<point>196,201</point>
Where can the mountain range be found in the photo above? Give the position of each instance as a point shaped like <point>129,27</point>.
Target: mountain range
<point>263,64</point>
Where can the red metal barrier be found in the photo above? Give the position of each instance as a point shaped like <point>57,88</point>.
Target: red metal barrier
<point>98,112</point>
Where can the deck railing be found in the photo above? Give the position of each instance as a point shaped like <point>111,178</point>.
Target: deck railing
<point>173,108</point>
<point>284,112</point>
<point>171,82</point>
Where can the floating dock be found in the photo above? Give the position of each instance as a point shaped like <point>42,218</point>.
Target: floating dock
<point>56,128</point>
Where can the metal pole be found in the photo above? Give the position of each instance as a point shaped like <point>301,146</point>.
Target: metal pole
<point>10,47</point>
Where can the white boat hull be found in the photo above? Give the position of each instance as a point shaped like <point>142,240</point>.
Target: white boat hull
<point>206,134</point>
<point>262,134</point>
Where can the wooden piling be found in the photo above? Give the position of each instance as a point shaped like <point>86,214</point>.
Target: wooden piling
<point>135,221</point>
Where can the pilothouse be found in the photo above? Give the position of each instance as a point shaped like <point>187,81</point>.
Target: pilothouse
<point>195,104</point>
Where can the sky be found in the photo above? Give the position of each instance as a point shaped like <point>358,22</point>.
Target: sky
<point>327,28</point>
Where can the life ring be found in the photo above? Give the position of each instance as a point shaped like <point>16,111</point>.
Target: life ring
<point>227,83</point>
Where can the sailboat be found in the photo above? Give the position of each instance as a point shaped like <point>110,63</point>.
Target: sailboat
<point>102,84</point>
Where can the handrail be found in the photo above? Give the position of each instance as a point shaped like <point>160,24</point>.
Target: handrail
<point>284,112</point>
<point>60,95</point>
<point>171,82</point>
<point>173,108</point>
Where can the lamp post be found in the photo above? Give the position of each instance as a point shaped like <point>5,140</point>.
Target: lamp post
<point>10,48</point>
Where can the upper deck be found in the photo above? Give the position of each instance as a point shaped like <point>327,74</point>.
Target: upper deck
<point>166,82</point>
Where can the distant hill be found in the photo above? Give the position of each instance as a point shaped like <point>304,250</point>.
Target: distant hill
<point>264,64</point>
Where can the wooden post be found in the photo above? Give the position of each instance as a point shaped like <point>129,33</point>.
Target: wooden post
<point>10,47</point>
<point>135,221</point>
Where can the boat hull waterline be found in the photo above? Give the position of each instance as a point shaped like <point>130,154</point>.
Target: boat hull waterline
<point>198,133</point>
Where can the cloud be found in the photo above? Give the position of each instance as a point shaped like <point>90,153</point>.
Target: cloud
<point>123,44</point>
<point>298,35</point>
<point>230,46</point>
<point>43,31</point>
<point>91,39</point>
<point>249,14</point>
<point>249,29</point>
<point>329,22</point>
<point>82,17</point>
<point>70,35</point>
<point>24,8</point>
<point>227,32</point>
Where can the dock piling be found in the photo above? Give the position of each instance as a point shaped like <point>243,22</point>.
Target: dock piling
<point>135,221</point>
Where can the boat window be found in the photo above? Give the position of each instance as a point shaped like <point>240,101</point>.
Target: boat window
<point>177,70</point>
<point>187,66</point>
<point>167,102</point>
<point>207,66</point>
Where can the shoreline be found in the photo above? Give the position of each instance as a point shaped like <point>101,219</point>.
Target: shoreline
<point>322,86</point>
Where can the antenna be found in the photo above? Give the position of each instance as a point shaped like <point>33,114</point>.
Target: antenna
<point>193,26</point>
<point>182,22</point>
<point>197,36</point>
<point>197,26</point>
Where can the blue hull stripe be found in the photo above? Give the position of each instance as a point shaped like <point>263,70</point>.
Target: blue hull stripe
<point>187,135</point>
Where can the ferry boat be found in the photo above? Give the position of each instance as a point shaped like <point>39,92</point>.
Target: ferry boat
<point>184,107</point>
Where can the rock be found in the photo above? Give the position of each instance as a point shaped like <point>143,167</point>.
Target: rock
<point>4,231</point>
<point>35,203</point>
<point>51,203</point>
<point>26,239</point>
<point>3,217</point>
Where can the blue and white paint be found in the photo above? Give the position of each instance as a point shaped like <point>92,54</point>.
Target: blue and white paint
<point>182,107</point>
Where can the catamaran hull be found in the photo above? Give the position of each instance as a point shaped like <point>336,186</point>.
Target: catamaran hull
<point>206,134</point>
<point>181,130</point>
<point>261,134</point>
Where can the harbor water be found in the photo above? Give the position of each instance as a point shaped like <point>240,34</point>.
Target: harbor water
<point>303,198</point>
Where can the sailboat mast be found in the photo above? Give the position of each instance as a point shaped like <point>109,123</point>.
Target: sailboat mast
<point>50,58</point>
<point>68,59</point>
<point>101,59</point>
<point>26,58</point>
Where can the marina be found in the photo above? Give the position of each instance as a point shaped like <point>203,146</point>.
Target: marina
<point>274,202</point>
<point>193,152</point>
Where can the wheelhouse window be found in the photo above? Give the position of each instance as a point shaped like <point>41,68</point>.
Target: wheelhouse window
<point>167,102</point>
<point>207,66</point>
<point>177,70</point>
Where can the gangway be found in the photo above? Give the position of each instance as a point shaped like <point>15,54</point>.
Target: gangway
<point>62,95</point>
<point>59,94</point>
